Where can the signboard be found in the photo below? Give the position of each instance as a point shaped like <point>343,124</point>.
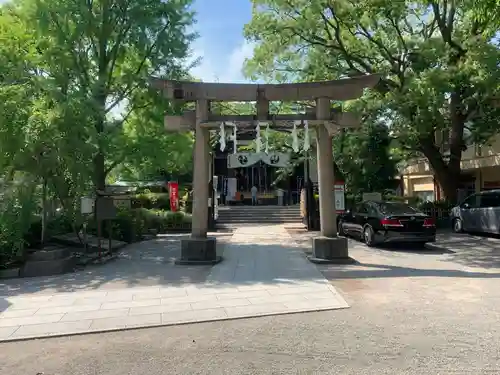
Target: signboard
<point>122,202</point>
<point>339,197</point>
<point>173,189</point>
<point>105,208</point>
<point>87,205</point>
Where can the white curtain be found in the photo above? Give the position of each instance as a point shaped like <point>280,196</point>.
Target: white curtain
<point>242,159</point>
<point>247,159</point>
<point>276,159</point>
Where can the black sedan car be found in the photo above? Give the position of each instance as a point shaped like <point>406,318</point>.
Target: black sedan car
<point>383,222</point>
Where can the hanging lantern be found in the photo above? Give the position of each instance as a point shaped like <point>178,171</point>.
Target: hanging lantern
<point>258,139</point>
<point>222,136</point>
<point>307,141</point>
<point>295,137</point>
<point>267,139</point>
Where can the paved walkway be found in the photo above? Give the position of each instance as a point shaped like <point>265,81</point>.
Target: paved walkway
<point>264,273</point>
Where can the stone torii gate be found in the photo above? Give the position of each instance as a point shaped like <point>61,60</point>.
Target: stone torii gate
<point>327,248</point>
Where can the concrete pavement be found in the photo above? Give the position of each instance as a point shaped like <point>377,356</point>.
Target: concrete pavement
<point>263,273</point>
<point>413,312</point>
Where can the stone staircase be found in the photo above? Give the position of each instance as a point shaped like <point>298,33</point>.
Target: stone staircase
<point>233,216</point>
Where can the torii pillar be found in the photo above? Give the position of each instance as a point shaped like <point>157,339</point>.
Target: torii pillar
<point>328,247</point>
<point>199,248</point>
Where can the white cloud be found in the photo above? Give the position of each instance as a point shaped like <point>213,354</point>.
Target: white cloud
<point>223,68</point>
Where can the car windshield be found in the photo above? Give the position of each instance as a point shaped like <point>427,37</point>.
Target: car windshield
<point>390,208</point>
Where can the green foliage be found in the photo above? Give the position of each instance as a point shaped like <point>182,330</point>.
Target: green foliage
<point>150,200</point>
<point>436,205</point>
<point>145,150</point>
<point>439,64</point>
<point>131,225</point>
<point>71,69</point>
<point>16,207</point>
<point>163,221</point>
<point>75,102</point>
<point>186,201</point>
<point>364,157</point>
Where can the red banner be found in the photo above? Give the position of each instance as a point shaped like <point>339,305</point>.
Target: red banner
<point>173,189</point>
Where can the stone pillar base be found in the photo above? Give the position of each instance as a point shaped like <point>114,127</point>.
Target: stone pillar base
<point>199,251</point>
<point>330,250</point>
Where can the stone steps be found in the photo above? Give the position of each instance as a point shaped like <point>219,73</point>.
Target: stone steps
<point>239,215</point>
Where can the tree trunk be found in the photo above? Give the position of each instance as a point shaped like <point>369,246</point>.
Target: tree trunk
<point>99,158</point>
<point>448,173</point>
<point>449,182</point>
<point>99,172</point>
<point>44,212</point>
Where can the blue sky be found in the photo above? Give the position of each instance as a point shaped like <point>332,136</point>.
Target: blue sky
<point>221,44</point>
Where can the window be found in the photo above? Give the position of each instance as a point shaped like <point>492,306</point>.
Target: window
<point>490,200</point>
<point>425,196</point>
<point>371,208</point>
<point>472,202</point>
<point>361,209</point>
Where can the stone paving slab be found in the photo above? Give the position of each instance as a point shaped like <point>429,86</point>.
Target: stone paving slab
<point>263,273</point>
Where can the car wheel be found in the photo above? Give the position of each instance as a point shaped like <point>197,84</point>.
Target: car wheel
<point>368,236</point>
<point>340,228</point>
<point>457,226</point>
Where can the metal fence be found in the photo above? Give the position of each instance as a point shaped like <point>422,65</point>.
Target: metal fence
<point>441,216</point>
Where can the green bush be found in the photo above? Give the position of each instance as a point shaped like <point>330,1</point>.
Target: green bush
<point>163,221</point>
<point>131,225</point>
<point>436,205</point>
<point>186,202</point>
<point>58,224</point>
<point>151,200</point>
<point>16,207</point>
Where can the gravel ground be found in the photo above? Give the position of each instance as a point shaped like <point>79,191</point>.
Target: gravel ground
<point>412,312</point>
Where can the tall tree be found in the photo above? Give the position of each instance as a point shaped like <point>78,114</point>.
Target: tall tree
<point>144,150</point>
<point>364,156</point>
<point>103,52</point>
<point>438,60</point>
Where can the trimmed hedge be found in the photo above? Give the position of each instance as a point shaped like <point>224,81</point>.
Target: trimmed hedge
<point>132,225</point>
<point>161,201</point>
<point>150,200</point>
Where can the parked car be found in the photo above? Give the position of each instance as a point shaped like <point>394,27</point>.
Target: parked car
<point>479,212</point>
<point>383,222</point>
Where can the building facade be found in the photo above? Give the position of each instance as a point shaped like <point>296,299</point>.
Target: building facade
<point>480,171</point>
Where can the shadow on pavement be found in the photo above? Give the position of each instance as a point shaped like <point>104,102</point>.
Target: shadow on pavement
<point>140,264</point>
<point>270,261</point>
<point>477,251</point>
<point>456,250</point>
<point>414,249</point>
<point>480,251</point>
<point>4,304</point>
<point>150,264</point>
<point>368,270</point>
